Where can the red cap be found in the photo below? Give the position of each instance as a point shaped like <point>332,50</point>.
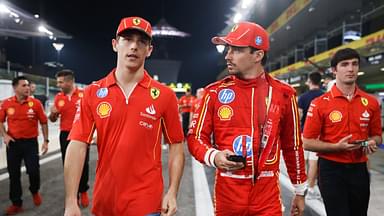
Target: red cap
<point>245,34</point>
<point>135,23</point>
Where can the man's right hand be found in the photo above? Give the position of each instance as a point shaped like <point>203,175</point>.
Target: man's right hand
<point>344,145</point>
<point>8,139</point>
<point>72,210</point>
<point>223,163</point>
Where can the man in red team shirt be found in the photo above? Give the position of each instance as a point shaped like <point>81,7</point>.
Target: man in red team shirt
<point>252,116</point>
<point>343,126</point>
<point>22,113</point>
<point>185,108</point>
<point>65,105</point>
<point>129,110</point>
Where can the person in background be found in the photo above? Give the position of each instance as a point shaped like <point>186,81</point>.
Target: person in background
<point>65,105</point>
<point>130,111</point>
<point>343,126</point>
<point>22,114</point>
<point>185,107</point>
<point>41,97</point>
<point>252,116</point>
<point>196,103</point>
<point>314,84</point>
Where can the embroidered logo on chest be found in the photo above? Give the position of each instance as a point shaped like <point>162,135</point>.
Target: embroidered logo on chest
<point>104,109</point>
<point>335,116</point>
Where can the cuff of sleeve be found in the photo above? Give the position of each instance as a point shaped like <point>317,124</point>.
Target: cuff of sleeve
<point>209,157</point>
<point>300,189</point>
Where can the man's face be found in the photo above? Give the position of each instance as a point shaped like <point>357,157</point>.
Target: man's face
<point>346,71</point>
<point>65,84</point>
<point>132,48</point>
<point>32,87</point>
<point>22,89</point>
<point>239,60</point>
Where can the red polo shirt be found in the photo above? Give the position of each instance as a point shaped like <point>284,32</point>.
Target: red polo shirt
<point>129,130</point>
<point>186,103</point>
<point>22,118</point>
<point>331,117</point>
<point>67,105</point>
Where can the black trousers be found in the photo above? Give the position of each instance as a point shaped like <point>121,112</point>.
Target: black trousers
<point>27,150</point>
<point>185,119</point>
<point>83,186</point>
<point>344,188</point>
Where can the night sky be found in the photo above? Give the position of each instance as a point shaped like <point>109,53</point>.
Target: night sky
<point>93,25</point>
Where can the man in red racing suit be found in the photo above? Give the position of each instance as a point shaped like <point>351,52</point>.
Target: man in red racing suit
<point>254,118</point>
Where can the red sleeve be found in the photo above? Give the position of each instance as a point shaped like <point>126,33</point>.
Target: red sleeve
<point>172,128</point>
<point>291,143</point>
<point>375,123</point>
<point>2,112</point>
<point>199,136</point>
<point>40,112</point>
<point>312,126</point>
<point>84,123</point>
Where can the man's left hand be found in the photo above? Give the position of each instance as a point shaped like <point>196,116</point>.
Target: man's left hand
<point>44,148</point>
<point>169,205</point>
<point>298,204</point>
<point>371,147</point>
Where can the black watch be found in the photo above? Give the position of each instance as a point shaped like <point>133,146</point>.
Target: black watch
<point>47,140</point>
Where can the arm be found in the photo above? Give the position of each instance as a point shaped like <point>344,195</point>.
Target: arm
<point>54,115</point>
<point>73,166</point>
<point>44,130</point>
<point>175,167</point>
<point>316,145</point>
<point>7,138</point>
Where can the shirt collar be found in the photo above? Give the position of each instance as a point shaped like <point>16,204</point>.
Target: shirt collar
<point>14,98</point>
<point>337,93</point>
<point>144,82</point>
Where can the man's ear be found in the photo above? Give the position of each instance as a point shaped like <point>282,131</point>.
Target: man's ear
<point>114,43</point>
<point>259,56</point>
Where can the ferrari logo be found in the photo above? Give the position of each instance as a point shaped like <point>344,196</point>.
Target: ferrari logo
<point>136,21</point>
<point>364,101</point>
<point>81,94</point>
<point>30,104</point>
<point>155,93</point>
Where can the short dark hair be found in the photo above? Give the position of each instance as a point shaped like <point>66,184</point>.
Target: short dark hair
<point>265,58</point>
<point>15,81</point>
<point>344,54</point>
<point>66,73</point>
<point>315,78</point>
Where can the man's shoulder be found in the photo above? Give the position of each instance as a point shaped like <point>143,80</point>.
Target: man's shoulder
<point>223,83</point>
<point>325,98</point>
<point>284,87</point>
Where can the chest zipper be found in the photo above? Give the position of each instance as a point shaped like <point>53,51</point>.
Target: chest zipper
<point>129,94</point>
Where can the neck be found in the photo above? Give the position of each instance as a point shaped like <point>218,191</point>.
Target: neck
<point>346,89</point>
<point>21,98</point>
<point>313,87</point>
<point>70,92</point>
<point>126,76</point>
<point>253,73</point>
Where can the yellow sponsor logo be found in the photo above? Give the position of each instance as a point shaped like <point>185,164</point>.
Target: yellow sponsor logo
<point>81,94</point>
<point>60,103</point>
<point>136,21</point>
<point>364,101</point>
<point>234,28</point>
<point>155,92</point>
<point>11,111</point>
<point>335,116</point>
<point>225,113</point>
<point>30,103</point>
<point>104,109</point>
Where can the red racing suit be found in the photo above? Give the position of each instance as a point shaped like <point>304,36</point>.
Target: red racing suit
<point>262,116</point>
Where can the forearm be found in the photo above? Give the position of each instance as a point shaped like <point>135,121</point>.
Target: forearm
<point>73,166</point>
<point>176,167</point>
<point>44,130</point>
<point>317,145</point>
<point>53,116</point>
<point>2,129</point>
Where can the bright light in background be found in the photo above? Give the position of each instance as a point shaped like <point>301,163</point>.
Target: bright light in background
<point>4,9</point>
<point>179,85</point>
<point>37,16</point>
<point>360,73</point>
<point>237,17</point>
<point>382,69</point>
<point>58,46</point>
<point>220,48</point>
<point>246,3</point>
<point>295,85</point>
<point>45,30</point>
<point>156,77</point>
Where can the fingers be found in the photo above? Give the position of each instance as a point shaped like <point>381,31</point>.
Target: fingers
<point>345,139</point>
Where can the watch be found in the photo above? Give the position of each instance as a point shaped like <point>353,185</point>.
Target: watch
<point>304,193</point>
<point>46,140</point>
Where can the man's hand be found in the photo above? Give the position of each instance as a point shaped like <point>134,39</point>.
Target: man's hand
<point>371,148</point>
<point>343,144</point>
<point>54,115</point>
<point>223,163</point>
<point>8,139</point>
<point>169,205</point>
<point>72,210</point>
<point>298,204</point>
<point>44,148</point>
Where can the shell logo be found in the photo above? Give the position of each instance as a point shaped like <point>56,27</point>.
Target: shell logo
<point>30,103</point>
<point>335,116</point>
<point>81,94</point>
<point>225,113</point>
<point>61,103</point>
<point>11,111</point>
<point>104,109</point>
